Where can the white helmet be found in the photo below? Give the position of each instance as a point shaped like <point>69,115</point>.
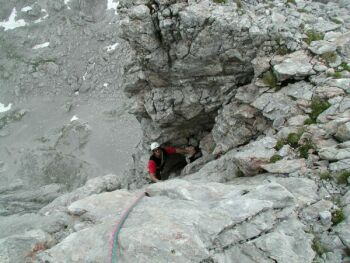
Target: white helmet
<point>154,145</point>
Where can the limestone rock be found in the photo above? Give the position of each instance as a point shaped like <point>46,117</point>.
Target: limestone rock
<point>315,210</point>
<point>18,248</point>
<point>334,153</point>
<point>73,137</point>
<point>252,157</point>
<point>11,116</point>
<point>329,92</point>
<point>295,65</point>
<point>326,218</point>
<point>343,132</point>
<point>235,125</point>
<point>276,105</point>
<point>173,208</point>
<point>285,166</point>
<point>340,165</point>
<point>320,47</point>
<point>96,185</point>
<point>300,90</point>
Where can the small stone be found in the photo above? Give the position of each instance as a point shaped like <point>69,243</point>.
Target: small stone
<point>285,166</point>
<point>320,68</point>
<point>295,65</point>
<point>320,47</point>
<point>343,132</point>
<point>326,218</point>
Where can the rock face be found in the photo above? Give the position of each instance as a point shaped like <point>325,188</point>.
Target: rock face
<point>60,72</point>
<point>261,88</point>
<point>189,222</point>
<point>194,59</point>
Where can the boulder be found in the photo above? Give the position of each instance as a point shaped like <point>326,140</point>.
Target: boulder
<point>276,105</point>
<point>343,132</point>
<point>322,46</point>
<point>296,65</point>
<point>24,247</point>
<point>334,153</point>
<point>285,166</point>
<point>340,165</point>
<point>235,125</point>
<point>250,158</point>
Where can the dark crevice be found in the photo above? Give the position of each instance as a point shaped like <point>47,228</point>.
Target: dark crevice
<point>207,260</point>
<point>286,82</point>
<point>158,33</point>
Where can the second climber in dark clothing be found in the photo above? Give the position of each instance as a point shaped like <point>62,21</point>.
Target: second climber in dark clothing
<point>166,160</point>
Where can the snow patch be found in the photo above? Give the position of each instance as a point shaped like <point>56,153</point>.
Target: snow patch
<point>74,118</point>
<point>111,47</point>
<point>4,109</point>
<point>112,5</point>
<point>105,85</point>
<point>42,18</point>
<point>26,9</point>
<point>66,2</point>
<point>46,44</point>
<point>11,22</point>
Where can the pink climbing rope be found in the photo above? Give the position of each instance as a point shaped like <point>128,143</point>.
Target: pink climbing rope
<point>113,242</point>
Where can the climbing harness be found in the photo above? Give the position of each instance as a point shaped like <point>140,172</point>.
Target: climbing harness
<point>114,238</point>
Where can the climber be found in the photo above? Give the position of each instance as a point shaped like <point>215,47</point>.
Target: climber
<point>167,159</point>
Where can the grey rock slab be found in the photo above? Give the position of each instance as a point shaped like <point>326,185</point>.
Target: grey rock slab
<point>274,192</point>
<point>96,185</point>
<point>101,206</point>
<point>297,120</point>
<point>249,93</point>
<point>261,65</point>
<point>304,190</point>
<point>287,151</point>
<point>326,218</point>
<point>340,165</point>
<point>182,220</point>
<point>220,170</point>
<point>346,198</point>
<point>19,224</point>
<point>207,144</point>
<point>248,253</point>
<point>322,46</point>
<point>91,243</point>
<point>290,238</point>
<point>343,132</point>
<point>313,211</point>
<point>234,126</point>
<point>251,157</point>
<point>11,116</point>
<point>276,105</point>
<point>329,92</point>
<point>185,190</point>
<point>29,200</point>
<point>343,84</point>
<point>20,248</point>
<point>323,25</point>
<point>285,166</point>
<point>197,164</point>
<point>343,228</point>
<point>73,137</point>
<point>300,90</point>
<point>334,153</point>
<point>296,65</point>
